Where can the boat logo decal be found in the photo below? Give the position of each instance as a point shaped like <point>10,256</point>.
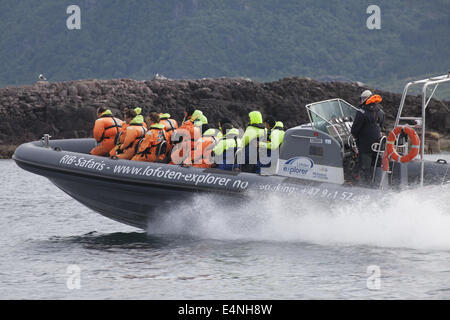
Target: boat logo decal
<point>153,172</point>
<point>298,166</point>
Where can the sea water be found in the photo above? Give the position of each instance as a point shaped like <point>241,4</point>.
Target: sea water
<point>52,247</point>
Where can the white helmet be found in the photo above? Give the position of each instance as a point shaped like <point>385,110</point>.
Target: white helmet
<point>366,94</point>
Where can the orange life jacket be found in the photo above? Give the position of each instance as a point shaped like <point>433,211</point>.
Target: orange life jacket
<point>201,156</point>
<point>184,144</point>
<point>132,135</point>
<point>121,139</point>
<point>169,124</point>
<point>107,127</point>
<point>373,99</point>
<point>122,133</point>
<point>189,131</point>
<point>125,125</point>
<point>153,147</point>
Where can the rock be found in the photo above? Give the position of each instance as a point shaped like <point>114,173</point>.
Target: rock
<point>146,91</point>
<point>63,93</point>
<point>30,98</point>
<point>82,90</point>
<point>67,109</point>
<point>72,90</point>
<point>203,93</point>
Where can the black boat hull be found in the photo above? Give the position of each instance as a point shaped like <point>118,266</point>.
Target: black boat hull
<point>136,193</point>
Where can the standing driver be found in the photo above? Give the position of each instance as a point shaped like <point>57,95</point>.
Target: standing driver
<point>366,130</point>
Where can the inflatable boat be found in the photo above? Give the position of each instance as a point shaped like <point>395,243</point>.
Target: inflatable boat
<point>315,161</point>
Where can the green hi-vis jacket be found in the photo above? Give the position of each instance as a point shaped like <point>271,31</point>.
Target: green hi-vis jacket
<point>199,118</point>
<point>275,137</point>
<point>255,128</point>
<point>138,120</point>
<point>228,142</point>
<point>211,132</point>
<point>157,126</point>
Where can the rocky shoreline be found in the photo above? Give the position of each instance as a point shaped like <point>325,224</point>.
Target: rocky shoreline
<point>67,109</point>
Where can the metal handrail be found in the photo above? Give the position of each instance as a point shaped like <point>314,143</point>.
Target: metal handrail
<point>378,151</point>
<point>426,83</point>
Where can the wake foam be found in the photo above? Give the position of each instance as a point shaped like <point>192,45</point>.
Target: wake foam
<point>418,219</point>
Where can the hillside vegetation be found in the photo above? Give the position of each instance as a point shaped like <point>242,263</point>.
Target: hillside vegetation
<point>261,39</point>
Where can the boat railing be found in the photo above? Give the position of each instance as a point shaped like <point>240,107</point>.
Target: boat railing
<point>433,83</point>
<point>378,148</point>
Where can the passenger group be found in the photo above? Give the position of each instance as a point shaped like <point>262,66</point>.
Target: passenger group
<point>158,138</point>
<point>196,143</point>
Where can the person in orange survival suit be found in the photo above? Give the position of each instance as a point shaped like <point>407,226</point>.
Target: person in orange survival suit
<point>134,132</point>
<point>106,130</point>
<point>120,141</point>
<point>183,140</point>
<point>153,148</point>
<point>202,154</point>
<point>139,117</point>
<point>170,125</point>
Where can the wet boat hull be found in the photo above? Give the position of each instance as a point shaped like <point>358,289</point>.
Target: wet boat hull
<point>129,201</point>
<point>137,193</point>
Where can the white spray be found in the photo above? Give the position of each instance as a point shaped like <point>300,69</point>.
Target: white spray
<point>417,218</point>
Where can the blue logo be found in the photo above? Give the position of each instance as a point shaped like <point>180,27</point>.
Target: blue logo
<point>298,165</point>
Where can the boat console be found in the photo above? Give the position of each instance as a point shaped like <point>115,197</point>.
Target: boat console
<point>322,149</point>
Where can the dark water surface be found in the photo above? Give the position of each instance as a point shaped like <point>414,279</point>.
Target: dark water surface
<point>276,251</point>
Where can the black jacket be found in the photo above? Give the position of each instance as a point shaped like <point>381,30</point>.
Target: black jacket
<point>367,126</point>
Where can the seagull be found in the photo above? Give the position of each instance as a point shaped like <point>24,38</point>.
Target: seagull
<point>42,78</point>
<point>159,77</point>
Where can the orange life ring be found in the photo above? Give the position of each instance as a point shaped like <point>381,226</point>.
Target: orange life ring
<point>390,144</point>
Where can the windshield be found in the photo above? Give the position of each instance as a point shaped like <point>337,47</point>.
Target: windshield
<point>325,112</point>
